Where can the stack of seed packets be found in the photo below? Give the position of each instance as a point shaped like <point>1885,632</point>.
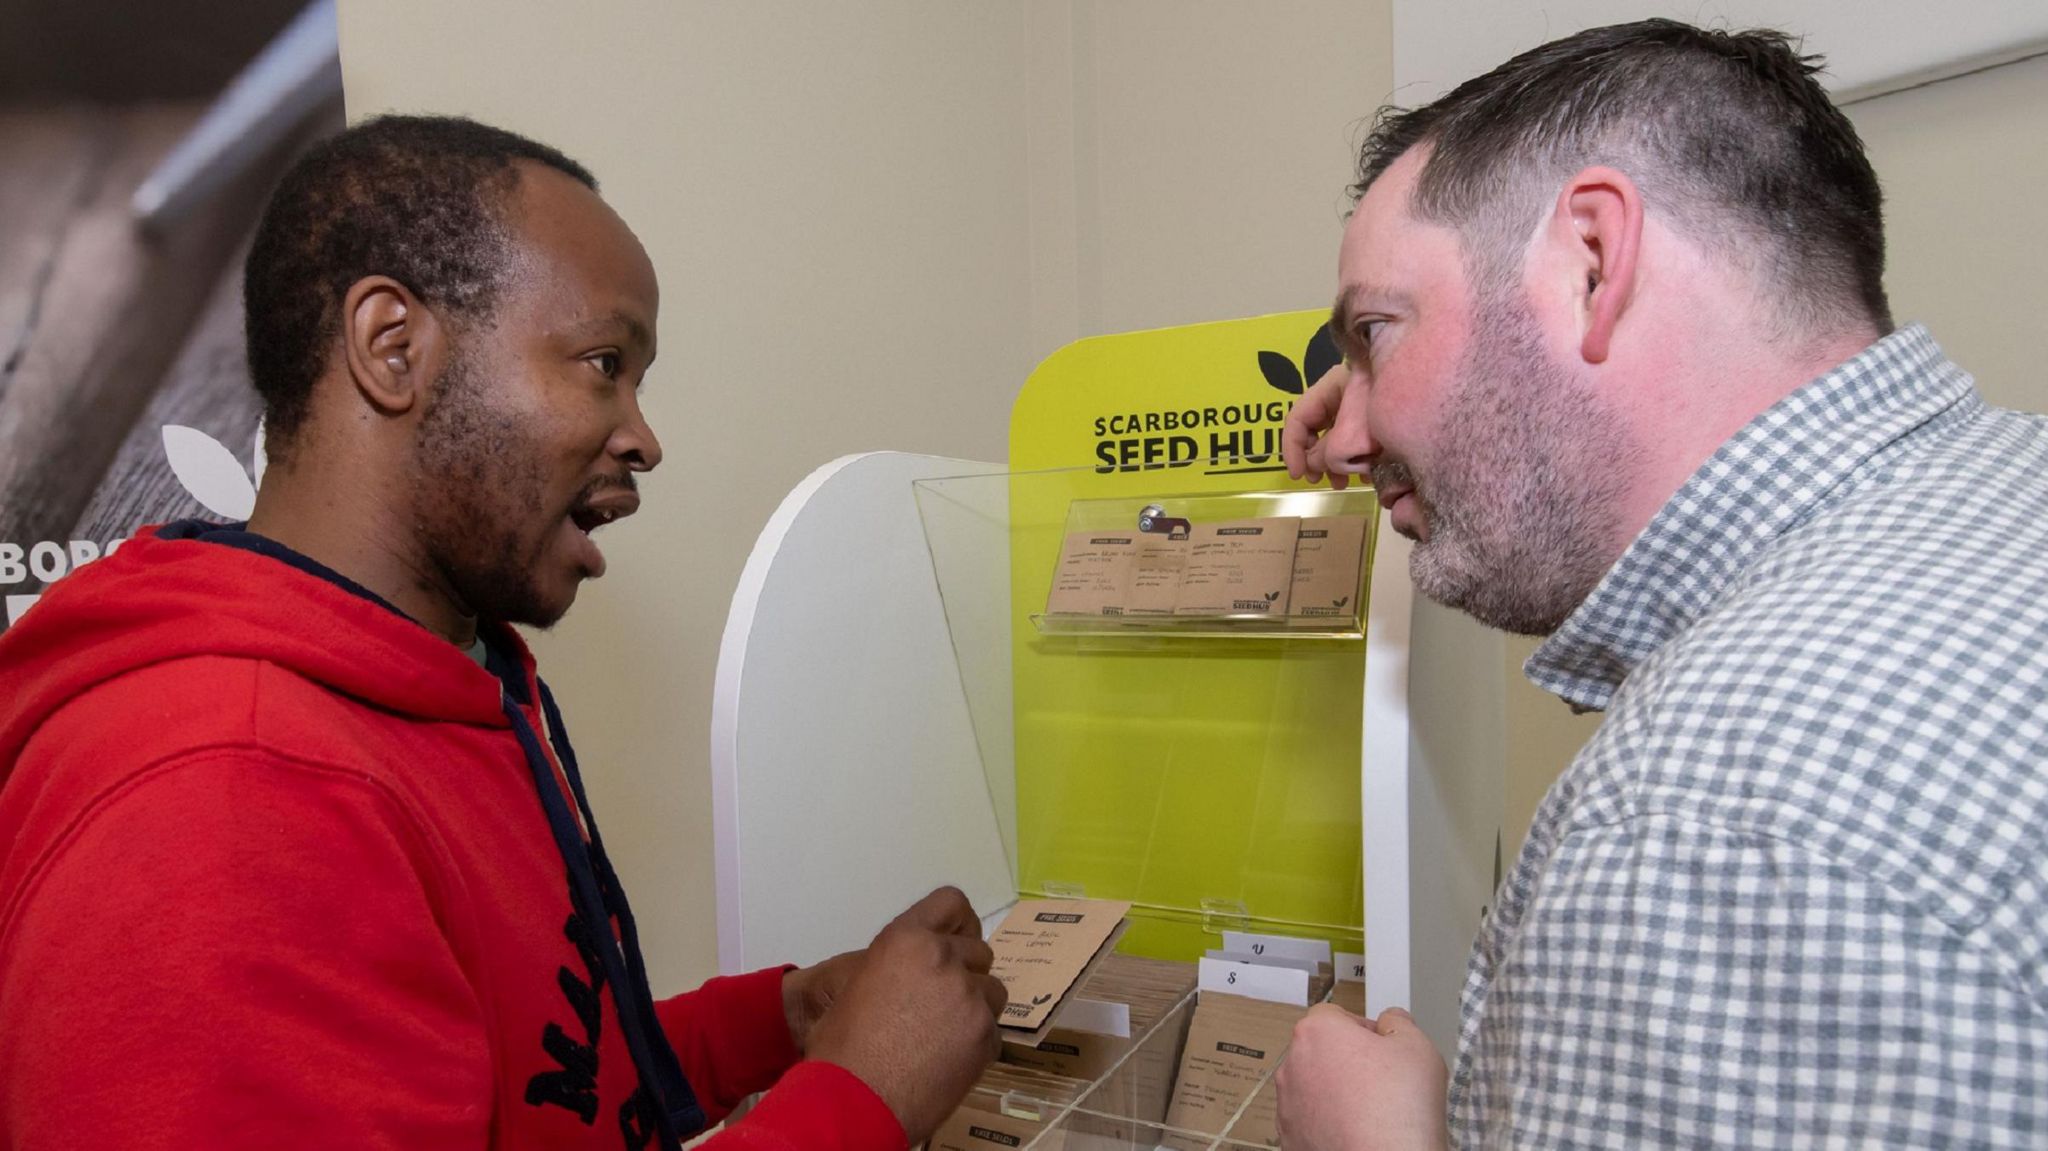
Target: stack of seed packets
<point>1008,1107</point>
<point>1234,1045</point>
<point>1253,990</point>
<point>1119,1002</point>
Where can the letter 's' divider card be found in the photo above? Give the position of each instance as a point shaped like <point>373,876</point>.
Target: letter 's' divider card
<point>1255,981</point>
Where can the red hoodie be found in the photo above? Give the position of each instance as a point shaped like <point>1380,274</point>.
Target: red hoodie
<point>274,872</point>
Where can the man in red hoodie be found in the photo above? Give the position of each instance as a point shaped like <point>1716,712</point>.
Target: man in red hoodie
<point>293,846</point>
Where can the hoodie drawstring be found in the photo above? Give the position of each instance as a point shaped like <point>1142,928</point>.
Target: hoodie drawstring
<point>595,891</point>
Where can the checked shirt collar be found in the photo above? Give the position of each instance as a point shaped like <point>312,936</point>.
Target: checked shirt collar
<point>1769,477</point>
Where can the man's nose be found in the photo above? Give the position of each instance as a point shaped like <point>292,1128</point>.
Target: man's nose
<point>635,442</point>
<point>1349,447</point>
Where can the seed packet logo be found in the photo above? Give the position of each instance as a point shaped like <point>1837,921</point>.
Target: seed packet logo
<point>1283,374</point>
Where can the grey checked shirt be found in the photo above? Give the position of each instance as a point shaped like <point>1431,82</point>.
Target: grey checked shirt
<point>1794,893</point>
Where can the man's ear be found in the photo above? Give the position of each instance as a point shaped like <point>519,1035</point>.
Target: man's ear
<point>392,345</point>
<point>1600,212</point>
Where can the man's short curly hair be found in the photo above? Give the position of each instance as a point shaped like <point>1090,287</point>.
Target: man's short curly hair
<point>1728,134</point>
<point>420,199</point>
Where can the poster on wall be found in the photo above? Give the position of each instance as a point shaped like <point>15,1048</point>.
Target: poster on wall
<point>142,137</point>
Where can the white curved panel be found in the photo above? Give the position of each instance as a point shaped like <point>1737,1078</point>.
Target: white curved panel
<point>845,778</point>
<point>1432,787</point>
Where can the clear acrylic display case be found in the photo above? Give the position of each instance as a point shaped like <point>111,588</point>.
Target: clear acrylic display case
<point>1206,769</point>
<point>1128,1106</point>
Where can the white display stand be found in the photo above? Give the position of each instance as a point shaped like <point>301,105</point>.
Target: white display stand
<point>845,783</point>
<point>846,779</point>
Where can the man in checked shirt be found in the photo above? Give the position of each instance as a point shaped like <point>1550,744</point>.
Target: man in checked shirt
<point>1620,362</point>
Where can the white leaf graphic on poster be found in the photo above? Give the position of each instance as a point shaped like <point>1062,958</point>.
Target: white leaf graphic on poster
<point>210,472</point>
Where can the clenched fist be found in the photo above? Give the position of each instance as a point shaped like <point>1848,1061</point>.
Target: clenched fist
<point>917,1021</point>
<point>1352,1085</point>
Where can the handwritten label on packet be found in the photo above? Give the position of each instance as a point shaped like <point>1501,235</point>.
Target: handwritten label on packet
<point>1042,948</point>
<point>1259,1123</point>
<point>1287,985</point>
<point>1156,565</point>
<point>1327,559</point>
<point>1093,572</point>
<point>1239,567</point>
<point>1233,1045</point>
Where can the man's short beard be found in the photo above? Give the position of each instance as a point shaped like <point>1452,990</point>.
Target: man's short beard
<point>1520,504</point>
<point>479,487</point>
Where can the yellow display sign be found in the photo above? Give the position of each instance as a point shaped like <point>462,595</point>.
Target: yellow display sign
<point>1197,776</point>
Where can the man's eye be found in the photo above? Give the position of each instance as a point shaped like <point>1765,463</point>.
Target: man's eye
<point>1363,334</point>
<point>1361,341</point>
<point>607,363</point>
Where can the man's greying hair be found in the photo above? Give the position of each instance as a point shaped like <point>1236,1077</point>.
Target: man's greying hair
<point>1728,136</point>
<point>420,199</point>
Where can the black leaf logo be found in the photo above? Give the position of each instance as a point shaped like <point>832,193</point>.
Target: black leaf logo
<point>1281,372</point>
<point>1319,357</point>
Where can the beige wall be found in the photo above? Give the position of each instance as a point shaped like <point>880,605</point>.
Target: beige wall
<point>870,220</point>
<point>1964,163</point>
<point>1212,143</point>
<point>1542,737</point>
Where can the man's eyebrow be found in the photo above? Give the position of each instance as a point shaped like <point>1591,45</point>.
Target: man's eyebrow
<point>1340,319</point>
<point>637,333</point>
<point>1348,304</point>
<point>1354,299</point>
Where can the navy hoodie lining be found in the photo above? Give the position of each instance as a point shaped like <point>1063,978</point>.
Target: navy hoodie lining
<point>497,660</point>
